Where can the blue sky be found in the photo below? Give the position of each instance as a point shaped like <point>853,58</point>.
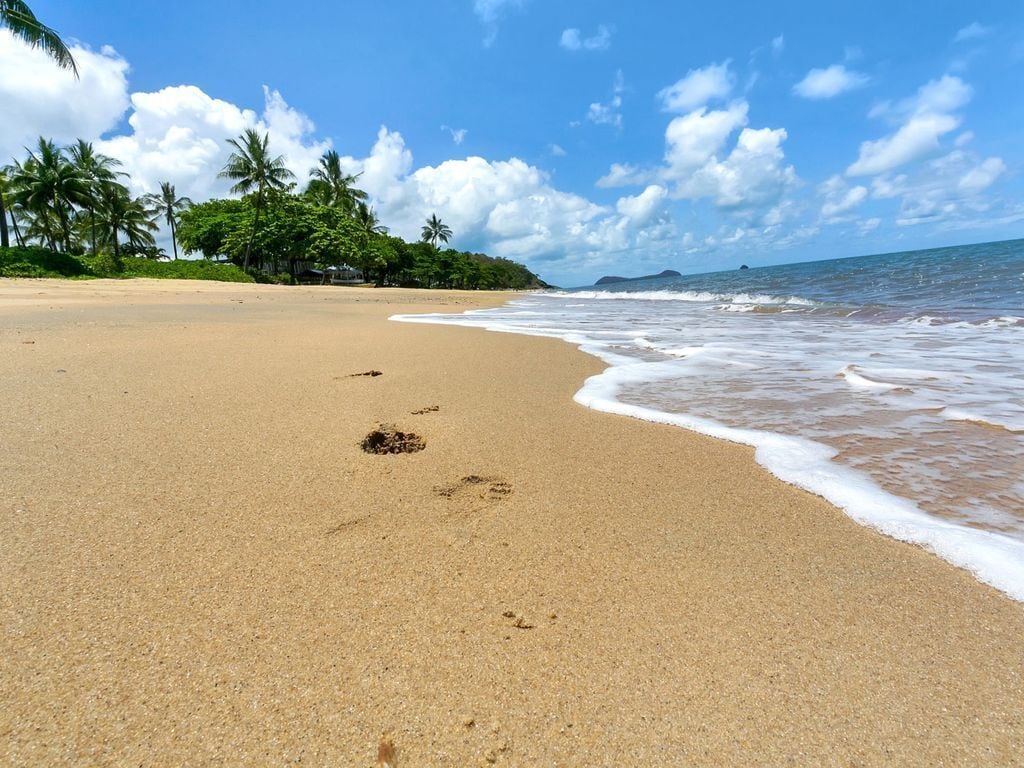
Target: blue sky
<point>581,137</point>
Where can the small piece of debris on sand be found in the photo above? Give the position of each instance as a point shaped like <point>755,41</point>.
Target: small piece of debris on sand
<point>386,754</point>
<point>388,439</point>
<point>366,373</point>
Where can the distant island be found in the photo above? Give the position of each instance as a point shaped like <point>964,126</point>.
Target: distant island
<point>607,279</point>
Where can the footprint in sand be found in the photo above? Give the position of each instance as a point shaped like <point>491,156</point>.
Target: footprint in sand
<point>471,490</point>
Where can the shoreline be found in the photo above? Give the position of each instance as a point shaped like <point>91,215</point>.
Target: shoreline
<point>990,556</point>
<point>221,571</point>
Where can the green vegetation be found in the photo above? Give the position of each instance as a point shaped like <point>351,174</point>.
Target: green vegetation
<point>42,262</point>
<point>72,215</point>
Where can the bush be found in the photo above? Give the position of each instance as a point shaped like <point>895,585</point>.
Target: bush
<point>184,270</point>
<point>40,262</point>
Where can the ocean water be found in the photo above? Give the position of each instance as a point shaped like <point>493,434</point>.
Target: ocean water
<point>892,385</point>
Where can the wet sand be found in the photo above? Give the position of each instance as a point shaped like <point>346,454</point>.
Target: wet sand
<point>199,565</point>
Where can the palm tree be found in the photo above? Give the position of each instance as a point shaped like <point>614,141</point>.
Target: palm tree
<point>97,169</point>
<point>435,231</point>
<point>46,181</point>
<point>18,17</point>
<point>120,213</point>
<point>251,168</point>
<point>170,206</point>
<point>368,222</point>
<point>330,185</point>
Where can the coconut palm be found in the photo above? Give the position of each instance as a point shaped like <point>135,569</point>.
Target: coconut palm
<point>435,231</point>
<point>368,222</point>
<point>120,214</point>
<point>166,203</point>
<point>330,185</point>
<point>18,17</point>
<point>46,181</point>
<point>97,169</point>
<point>252,168</point>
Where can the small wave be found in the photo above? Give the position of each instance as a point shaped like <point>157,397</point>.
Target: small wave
<point>857,381</point>
<point>690,296</point>
<point>958,414</point>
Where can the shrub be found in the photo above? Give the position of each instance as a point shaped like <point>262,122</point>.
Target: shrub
<point>40,262</point>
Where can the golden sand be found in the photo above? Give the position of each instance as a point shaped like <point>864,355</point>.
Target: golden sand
<point>200,566</point>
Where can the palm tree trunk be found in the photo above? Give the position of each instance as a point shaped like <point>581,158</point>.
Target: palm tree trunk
<point>92,229</point>
<point>174,239</point>
<point>255,226</point>
<point>17,232</point>
<point>5,238</point>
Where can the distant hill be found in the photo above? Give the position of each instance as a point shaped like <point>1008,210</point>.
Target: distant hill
<point>607,279</point>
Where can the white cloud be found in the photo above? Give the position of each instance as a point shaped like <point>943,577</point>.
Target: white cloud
<point>179,134</point>
<point>972,31</point>
<point>573,40</point>
<point>750,179</point>
<point>698,88</point>
<point>641,208</point>
<point>869,225</point>
<point>609,113</point>
<point>692,140</point>
<point>983,175</point>
<point>39,98</point>
<point>946,190</point>
<point>458,134</point>
<point>778,45</point>
<point>829,82</point>
<point>927,116</point>
<point>751,176</point>
<point>489,12</point>
<point>505,207</point>
<point>839,199</point>
<point>556,150</point>
<point>624,175</point>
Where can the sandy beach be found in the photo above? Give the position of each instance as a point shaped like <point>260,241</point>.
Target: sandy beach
<point>199,565</point>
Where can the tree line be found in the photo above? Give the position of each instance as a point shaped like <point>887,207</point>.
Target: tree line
<point>75,200</point>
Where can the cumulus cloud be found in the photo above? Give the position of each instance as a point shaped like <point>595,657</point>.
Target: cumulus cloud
<point>829,82</point>
<point>573,40</point>
<point>698,88</point>
<point>556,150</point>
<point>180,133</point>
<point>947,189</point>
<point>752,175</point>
<point>640,209</point>
<point>840,199</point>
<point>624,175</point>
<point>609,112</point>
<point>926,118</point>
<point>506,207</point>
<point>692,140</point>
<point>38,98</point>
<point>750,178</point>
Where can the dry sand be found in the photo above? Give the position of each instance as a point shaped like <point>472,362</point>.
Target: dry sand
<point>199,566</point>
